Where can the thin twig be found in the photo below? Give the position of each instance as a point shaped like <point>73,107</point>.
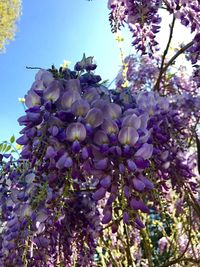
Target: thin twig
<point>180,258</point>
<point>128,250</point>
<point>183,260</point>
<point>147,248</point>
<point>182,50</point>
<point>156,87</point>
<point>33,68</point>
<point>110,254</point>
<point>194,202</point>
<point>193,132</point>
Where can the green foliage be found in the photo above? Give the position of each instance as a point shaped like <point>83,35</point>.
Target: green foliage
<point>10,11</point>
<point>9,146</point>
<point>12,139</point>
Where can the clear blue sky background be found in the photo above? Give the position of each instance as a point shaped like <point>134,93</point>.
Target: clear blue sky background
<point>50,31</point>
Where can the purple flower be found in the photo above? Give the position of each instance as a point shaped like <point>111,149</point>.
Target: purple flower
<point>80,107</point>
<point>68,98</point>
<point>94,117</point>
<point>131,165</point>
<point>76,147</point>
<point>148,184</point>
<point>45,76</point>
<point>126,217</point>
<point>32,99</point>
<point>23,140</point>
<point>64,162</point>
<point>107,217</point>
<point>110,127</point>
<point>138,223</point>
<point>131,121</point>
<point>76,131</point>
<point>106,181</point>
<point>128,136</point>
<point>138,184</point>
<point>163,243</point>
<point>41,242</point>
<point>100,138</point>
<point>52,93</point>
<point>99,194</point>
<point>138,204</point>
<point>73,85</point>
<point>145,151</point>
<point>84,153</point>
<point>101,164</point>
<point>112,110</point>
<point>127,192</point>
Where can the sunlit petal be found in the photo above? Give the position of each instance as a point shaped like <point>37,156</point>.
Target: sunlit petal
<point>94,117</point>
<point>145,151</point>
<point>110,127</point>
<point>131,121</point>
<point>80,107</point>
<point>76,131</point>
<point>69,98</point>
<point>128,136</point>
<point>100,138</point>
<point>112,110</point>
<point>52,92</point>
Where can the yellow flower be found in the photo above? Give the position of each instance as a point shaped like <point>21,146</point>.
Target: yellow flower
<point>18,147</point>
<point>21,100</point>
<point>65,64</point>
<point>118,37</point>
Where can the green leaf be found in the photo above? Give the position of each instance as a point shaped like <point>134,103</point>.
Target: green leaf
<point>8,148</point>
<point>4,147</point>
<point>12,139</point>
<point>1,145</point>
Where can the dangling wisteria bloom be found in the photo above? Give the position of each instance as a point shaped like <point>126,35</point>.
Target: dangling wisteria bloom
<point>97,157</point>
<point>143,19</point>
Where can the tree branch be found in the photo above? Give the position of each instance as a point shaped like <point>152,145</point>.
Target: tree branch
<point>33,68</point>
<point>128,251</point>
<point>147,248</point>
<point>156,87</point>
<point>182,50</point>
<point>180,258</point>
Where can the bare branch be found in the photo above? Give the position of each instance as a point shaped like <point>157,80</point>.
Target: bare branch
<point>156,87</point>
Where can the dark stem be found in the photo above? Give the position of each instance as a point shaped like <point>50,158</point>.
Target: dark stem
<point>193,202</point>
<point>156,87</point>
<point>180,258</point>
<point>193,132</point>
<point>33,68</point>
<point>147,247</point>
<point>182,50</point>
<point>110,254</point>
<point>128,251</point>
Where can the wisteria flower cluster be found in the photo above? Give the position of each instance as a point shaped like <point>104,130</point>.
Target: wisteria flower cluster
<point>187,11</point>
<point>143,72</point>
<point>91,158</point>
<point>144,20</point>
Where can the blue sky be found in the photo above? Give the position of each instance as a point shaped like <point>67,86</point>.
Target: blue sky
<point>47,34</point>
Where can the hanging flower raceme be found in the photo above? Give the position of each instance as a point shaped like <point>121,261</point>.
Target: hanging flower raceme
<point>89,150</point>
<point>143,19</point>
